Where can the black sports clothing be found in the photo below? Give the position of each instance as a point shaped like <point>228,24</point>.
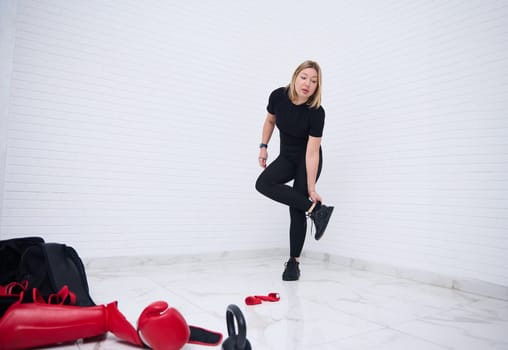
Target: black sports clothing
<point>292,270</point>
<point>295,124</point>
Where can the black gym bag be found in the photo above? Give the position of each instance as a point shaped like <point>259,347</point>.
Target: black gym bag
<point>46,266</point>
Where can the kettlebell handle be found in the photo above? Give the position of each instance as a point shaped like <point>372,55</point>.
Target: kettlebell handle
<point>233,312</point>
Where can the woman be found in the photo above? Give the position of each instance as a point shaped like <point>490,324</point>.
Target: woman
<point>296,111</point>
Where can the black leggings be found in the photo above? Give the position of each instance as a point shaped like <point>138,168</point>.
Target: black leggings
<point>290,165</point>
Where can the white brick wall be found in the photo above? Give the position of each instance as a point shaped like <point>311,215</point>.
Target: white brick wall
<point>132,127</point>
<point>420,146</point>
<point>134,130</point>
<point>7,27</point>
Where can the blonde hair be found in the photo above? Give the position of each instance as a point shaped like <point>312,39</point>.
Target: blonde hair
<point>314,101</point>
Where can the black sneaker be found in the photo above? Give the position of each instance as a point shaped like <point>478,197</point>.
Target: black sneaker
<point>320,216</point>
<point>292,271</point>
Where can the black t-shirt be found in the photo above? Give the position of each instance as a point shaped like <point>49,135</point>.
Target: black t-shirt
<point>295,122</point>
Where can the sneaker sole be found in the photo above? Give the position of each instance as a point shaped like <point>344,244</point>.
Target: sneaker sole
<point>326,225</point>
<point>290,279</point>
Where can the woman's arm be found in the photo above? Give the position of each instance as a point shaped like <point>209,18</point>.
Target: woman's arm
<point>312,163</point>
<point>268,127</point>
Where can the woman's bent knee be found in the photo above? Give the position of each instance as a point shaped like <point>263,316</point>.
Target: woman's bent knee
<point>260,185</point>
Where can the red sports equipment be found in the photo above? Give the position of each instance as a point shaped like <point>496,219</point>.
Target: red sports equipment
<point>41,323</point>
<point>258,299</point>
<point>32,325</point>
<point>163,328</point>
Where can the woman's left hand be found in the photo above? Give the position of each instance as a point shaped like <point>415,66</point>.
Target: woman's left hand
<point>315,197</point>
<point>263,156</point>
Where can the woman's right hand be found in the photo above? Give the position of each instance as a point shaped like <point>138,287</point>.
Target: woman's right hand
<point>315,197</point>
<point>263,156</point>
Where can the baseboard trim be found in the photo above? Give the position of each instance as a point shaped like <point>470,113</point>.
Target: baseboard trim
<point>478,287</point>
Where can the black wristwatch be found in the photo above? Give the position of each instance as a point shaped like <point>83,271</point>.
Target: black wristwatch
<point>261,145</point>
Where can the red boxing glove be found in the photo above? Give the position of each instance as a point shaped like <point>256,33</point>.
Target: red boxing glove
<point>162,328</point>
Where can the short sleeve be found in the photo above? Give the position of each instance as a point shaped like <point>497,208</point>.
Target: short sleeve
<point>317,122</point>
<point>274,99</point>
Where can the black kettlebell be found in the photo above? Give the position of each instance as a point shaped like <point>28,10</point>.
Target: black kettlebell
<point>236,341</point>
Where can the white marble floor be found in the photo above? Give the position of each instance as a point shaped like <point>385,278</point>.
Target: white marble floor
<point>331,307</point>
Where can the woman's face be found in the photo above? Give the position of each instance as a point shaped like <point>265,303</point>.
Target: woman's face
<point>306,84</point>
